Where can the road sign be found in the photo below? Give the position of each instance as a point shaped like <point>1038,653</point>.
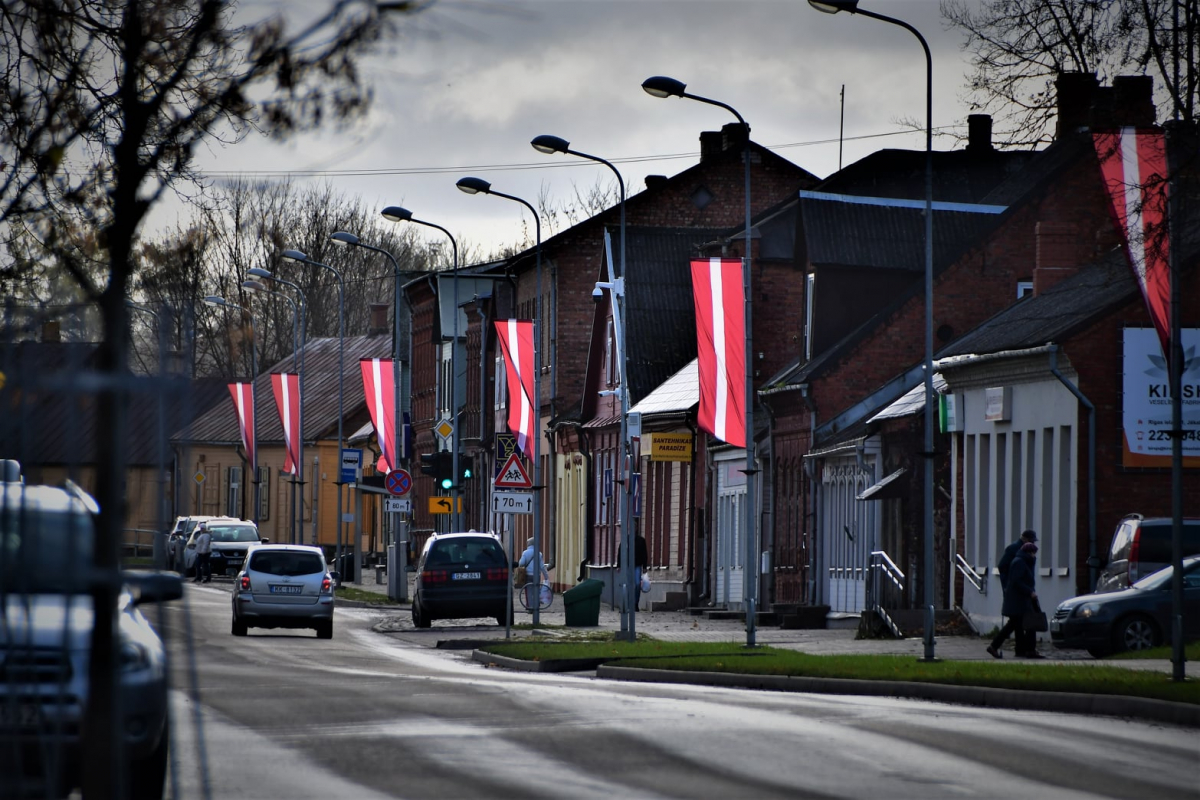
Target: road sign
<point>444,429</point>
<point>396,505</point>
<point>351,464</point>
<point>513,475</point>
<point>442,505</point>
<point>198,477</point>
<point>398,482</point>
<point>512,502</point>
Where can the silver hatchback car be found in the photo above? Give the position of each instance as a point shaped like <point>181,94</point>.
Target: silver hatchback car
<point>284,586</point>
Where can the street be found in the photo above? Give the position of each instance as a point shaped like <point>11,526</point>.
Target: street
<point>283,714</point>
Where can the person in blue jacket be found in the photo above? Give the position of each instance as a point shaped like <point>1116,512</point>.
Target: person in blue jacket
<point>1020,596</point>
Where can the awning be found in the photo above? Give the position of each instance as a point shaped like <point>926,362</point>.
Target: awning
<point>889,487</point>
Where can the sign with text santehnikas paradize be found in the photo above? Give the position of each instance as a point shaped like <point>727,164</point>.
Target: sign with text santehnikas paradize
<point>1147,400</point>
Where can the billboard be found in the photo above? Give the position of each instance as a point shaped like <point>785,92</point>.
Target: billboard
<point>1146,422</point>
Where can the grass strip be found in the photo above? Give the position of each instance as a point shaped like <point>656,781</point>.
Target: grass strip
<point>1088,678</point>
<point>362,596</point>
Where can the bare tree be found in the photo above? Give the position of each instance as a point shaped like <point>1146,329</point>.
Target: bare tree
<point>1018,47</point>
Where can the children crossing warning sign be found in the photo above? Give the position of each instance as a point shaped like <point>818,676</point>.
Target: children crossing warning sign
<point>513,475</point>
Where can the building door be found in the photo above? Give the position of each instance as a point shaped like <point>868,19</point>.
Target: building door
<point>849,532</point>
<point>730,519</point>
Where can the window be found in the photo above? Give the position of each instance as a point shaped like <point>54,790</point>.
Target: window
<point>233,484</point>
<point>1024,288</point>
<point>501,384</point>
<point>809,285</point>
<point>264,493</point>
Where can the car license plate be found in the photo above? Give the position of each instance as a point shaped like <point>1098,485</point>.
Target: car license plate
<point>1055,626</point>
<point>283,589</point>
<point>465,576</point>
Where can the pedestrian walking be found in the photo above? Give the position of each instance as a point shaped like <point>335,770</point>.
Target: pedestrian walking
<point>535,568</point>
<point>203,554</point>
<point>1020,597</point>
<point>1010,553</point>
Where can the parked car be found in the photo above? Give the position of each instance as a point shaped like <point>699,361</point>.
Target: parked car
<point>284,586</point>
<point>177,539</point>
<point>461,575</point>
<point>1142,546</point>
<point>231,538</point>
<point>46,621</point>
<point>1136,618</point>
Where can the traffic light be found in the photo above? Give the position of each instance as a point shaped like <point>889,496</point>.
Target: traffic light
<point>439,466</point>
<point>465,463</point>
<point>429,464</point>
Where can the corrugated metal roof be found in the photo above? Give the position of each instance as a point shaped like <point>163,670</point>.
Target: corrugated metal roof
<point>964,176</point>
<point>679,392</point>
<point>913,401</point>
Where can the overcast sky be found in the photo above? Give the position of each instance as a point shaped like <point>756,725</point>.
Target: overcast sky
<point>470,82</point>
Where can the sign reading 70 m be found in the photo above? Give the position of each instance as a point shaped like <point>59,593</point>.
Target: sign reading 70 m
<point>512,503</point>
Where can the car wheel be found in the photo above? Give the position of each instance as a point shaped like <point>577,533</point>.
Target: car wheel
<point>325,630</point>
<point>1136,633</point>
<point>239,628</point>
<point>419,617</point>
<point>147,776</point>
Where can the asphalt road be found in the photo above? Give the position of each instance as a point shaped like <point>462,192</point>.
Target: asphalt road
<point>281,714</point>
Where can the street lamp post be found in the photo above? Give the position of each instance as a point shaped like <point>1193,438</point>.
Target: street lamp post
<point>298,534</point>
<point>550,145</point>
<point>259,286</point>
<point>851,6</point>
<point>217,300</point>
<point>400,214</point>
<point>661,86</point>
<point>158,547</point>
<point>350,240</point>
<point>480,186</point>
<point>296,255</point>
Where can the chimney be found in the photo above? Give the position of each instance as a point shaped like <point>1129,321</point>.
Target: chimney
<point>979,133</point>
<point>1133,100</point>
<point>734,136</point>
<point>710,145</point>
<point>52,331</point>
<point>1076,92</point>
<point>1056,254</point>
<point>656,181</point>
<point>379,318</point>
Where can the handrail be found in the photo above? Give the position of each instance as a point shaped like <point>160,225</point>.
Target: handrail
<point>969,573</point>
<point>880,560</point>
<point>882,563</point>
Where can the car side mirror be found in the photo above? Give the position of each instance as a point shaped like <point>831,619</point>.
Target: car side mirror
<point>265,540</point>
<point>335,576</point>
<point>1095,562</point>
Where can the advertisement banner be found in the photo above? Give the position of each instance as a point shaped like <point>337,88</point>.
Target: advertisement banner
<point>1147,400</point>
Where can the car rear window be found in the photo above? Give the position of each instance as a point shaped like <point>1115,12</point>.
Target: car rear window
<point>233,533</point>
<point>287,563</point>
<point>481,551</point>
<point>1154,543</point>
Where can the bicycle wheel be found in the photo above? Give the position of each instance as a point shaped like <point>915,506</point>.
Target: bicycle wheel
<point>544,596</point>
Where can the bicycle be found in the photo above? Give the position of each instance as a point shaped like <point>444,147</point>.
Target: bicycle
<point>544,594</point>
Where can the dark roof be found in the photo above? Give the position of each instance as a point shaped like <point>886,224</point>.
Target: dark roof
<point>220,424</point>
<point>960,176</point>
<point>661,317</point>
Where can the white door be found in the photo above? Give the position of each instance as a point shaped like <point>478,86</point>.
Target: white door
<point>730,521</point>
<point>848,532</point>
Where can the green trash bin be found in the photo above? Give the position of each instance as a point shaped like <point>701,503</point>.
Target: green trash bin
<point>582,603</point>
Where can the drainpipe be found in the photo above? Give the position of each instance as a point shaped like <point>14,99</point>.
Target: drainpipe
<point>483,409</point>
<point>813,495</point>
<point>1091,458</point>
<point>690,569</point>
<point>770,578</point>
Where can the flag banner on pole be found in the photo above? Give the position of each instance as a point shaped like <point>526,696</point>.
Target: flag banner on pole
<point>1134,165</point>
<point>243,404</point>
<point>721,347</point>
<point>379,386</point>
<point>287,400</point>
<point>516,340</point>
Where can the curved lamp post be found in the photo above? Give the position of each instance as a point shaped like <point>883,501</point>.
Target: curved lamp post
<point>350,240</point>
<point>296,255</point>
<point>400,214</point>
<point>217,300</point>
<point>259,286</point>
<point>258,272</point>
<point>551,145</point>
<point>662,86</point>
<point>480,186</point>
<point>851,6</point>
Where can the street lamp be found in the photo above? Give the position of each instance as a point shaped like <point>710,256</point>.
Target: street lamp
<point>662,86</point>
<point>851,6</point>
<point>158,548</point>
<point>258,272</point>
<point>480,186</point>
<point>399,214</point>
<point>296,255</point>
<point>259,286</point>
<point>217,300</point>
<point>551,145</point>
<point>350,240</point>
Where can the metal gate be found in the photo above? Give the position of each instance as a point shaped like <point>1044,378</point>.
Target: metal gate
<point>730,529</point>
<point>849,531</point>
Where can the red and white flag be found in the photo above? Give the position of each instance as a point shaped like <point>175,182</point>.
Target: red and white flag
<point>721,347</point>
<point>379,386</point>
<point>287,400</point>
<point>243,403</point>
<point>516,340</point>
<point>1134,165</point>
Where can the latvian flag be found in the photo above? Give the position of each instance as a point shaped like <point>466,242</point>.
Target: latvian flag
<point>379,386</point>
<point>287,400</point>
<point>1134,165</point>
<point>516,340</point>
<point>721,347</point>
<point>243,403</point>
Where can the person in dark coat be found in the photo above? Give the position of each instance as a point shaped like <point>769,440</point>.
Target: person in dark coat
<point>1020,595</point>
<point>1010,553</point>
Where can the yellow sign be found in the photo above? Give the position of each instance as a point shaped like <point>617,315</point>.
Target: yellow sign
<point>444,429</point>
<point>442,505</point>
<point>670,447</point>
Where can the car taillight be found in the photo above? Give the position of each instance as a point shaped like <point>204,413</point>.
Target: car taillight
<point>245,583</point>
<point>496,574</point>
<point>1133,556</point>
<point>326,584</point>
<point>435,576</point>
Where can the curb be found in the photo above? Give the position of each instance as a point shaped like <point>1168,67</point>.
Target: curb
<point>1183,714</point>
<point>551,665</point>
